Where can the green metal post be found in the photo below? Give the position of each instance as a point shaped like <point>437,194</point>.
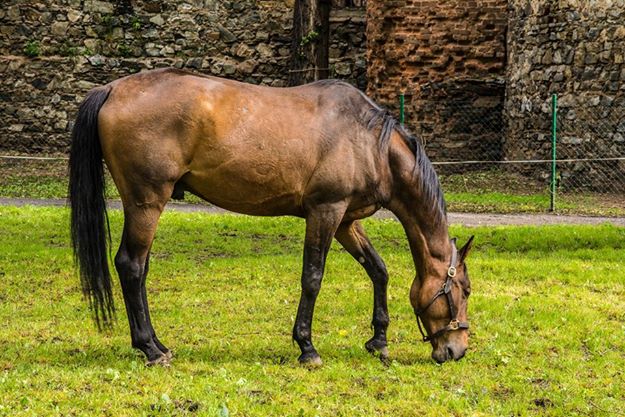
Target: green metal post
<point>401,109</point>
<point>554,133</point>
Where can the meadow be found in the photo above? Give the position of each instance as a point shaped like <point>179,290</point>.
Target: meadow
<point>547,314</point>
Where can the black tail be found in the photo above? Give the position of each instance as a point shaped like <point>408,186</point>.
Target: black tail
<point>90,227</point>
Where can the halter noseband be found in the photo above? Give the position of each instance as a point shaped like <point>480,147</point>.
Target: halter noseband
<point>454,324</point>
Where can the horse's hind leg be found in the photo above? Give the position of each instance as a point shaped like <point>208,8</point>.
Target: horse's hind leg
<point>132,262</point>
<point>354,239</point>
<point>144,297</point>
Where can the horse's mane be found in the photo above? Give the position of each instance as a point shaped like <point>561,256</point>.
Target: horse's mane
<point>372,116</point>
<point>424,174</point>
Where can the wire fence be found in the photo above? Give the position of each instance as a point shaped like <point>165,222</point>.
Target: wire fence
<point>591,149</point>
<point>567,158</point>
<point>489,158</point>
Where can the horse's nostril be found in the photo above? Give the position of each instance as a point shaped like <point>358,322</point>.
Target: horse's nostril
<point>450,353</point>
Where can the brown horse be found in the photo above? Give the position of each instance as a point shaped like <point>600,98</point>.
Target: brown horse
<point>322,151</point>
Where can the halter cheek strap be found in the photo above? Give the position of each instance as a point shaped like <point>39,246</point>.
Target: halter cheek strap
<point>454,324</point>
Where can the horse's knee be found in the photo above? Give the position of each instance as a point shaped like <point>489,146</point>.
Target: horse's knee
<point>380,275</point>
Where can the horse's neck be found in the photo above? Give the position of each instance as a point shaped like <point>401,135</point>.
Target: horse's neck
<point>424,221</point>
<point>428,245</point>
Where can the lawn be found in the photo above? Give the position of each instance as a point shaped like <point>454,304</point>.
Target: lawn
<point>547,316</point>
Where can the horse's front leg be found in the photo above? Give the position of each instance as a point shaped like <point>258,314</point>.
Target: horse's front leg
<point>321,224</point>
<point>354,239</point>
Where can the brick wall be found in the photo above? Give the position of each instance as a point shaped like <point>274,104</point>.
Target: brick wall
<point>575,49</point>
<point>444,56</point>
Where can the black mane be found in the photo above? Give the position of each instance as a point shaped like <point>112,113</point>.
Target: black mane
<point>426,178</point>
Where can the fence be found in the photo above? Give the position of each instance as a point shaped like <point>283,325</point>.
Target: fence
<point>489,158</point>
<point>531,156</point>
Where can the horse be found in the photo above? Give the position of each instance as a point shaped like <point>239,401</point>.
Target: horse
<point>323,151</point>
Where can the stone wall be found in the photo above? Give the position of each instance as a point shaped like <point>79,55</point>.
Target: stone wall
<point>575,49</point>
<point>53,52</point>
<point>449,60</point>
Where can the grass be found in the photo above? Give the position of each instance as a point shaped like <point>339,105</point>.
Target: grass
<point>500,191</point>
<point>547,315</point>
<point>491,191</point>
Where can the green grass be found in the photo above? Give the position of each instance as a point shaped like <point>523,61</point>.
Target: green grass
<point>498,191</point>
<point>33,179</point>
<point>547,315</point>
<point>48,179</point>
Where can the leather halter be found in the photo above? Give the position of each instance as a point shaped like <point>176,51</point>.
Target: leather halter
<point>454,324</point>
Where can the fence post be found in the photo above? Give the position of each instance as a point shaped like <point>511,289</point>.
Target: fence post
<point>401,108</point>
<point>554,133</point>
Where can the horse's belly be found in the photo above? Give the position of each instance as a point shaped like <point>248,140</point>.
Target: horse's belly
<point>256,189</point>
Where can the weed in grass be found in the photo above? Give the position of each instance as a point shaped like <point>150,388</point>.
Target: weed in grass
<point>546,311</point>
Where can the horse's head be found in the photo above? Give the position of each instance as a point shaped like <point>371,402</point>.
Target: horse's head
<point>440,301</point>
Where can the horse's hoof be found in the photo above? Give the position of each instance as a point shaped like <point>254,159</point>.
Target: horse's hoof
<point>310,360</point>
<point>383,353</point>
<point>163,360</point>
<point>377,349</point>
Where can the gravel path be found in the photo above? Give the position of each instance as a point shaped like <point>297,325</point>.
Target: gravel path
<point>466,219</point>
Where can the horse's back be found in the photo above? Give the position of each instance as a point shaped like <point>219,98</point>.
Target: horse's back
<point>246,148</point>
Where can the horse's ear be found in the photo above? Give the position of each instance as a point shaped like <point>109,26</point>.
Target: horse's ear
<point>464,251</point>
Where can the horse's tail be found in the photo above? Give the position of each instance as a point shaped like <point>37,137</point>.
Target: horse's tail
<point>89,220</point>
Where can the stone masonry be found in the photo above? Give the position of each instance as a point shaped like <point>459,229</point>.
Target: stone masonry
<point>478,77</point>
<point>575,49</point>
<point>53,52</point>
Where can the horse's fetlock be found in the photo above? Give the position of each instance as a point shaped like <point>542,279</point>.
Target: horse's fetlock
<point>141,340</point>
<point>301,334</point>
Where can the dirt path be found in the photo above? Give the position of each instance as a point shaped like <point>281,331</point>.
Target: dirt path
<point>466,219</point>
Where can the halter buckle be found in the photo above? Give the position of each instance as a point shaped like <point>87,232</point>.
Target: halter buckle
<point>451,272</point>
<point>454,325</point>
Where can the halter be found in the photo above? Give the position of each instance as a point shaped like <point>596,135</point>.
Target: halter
<point>454,324</point>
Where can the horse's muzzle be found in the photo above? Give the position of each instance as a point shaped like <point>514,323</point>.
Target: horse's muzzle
<point>448,352</point>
